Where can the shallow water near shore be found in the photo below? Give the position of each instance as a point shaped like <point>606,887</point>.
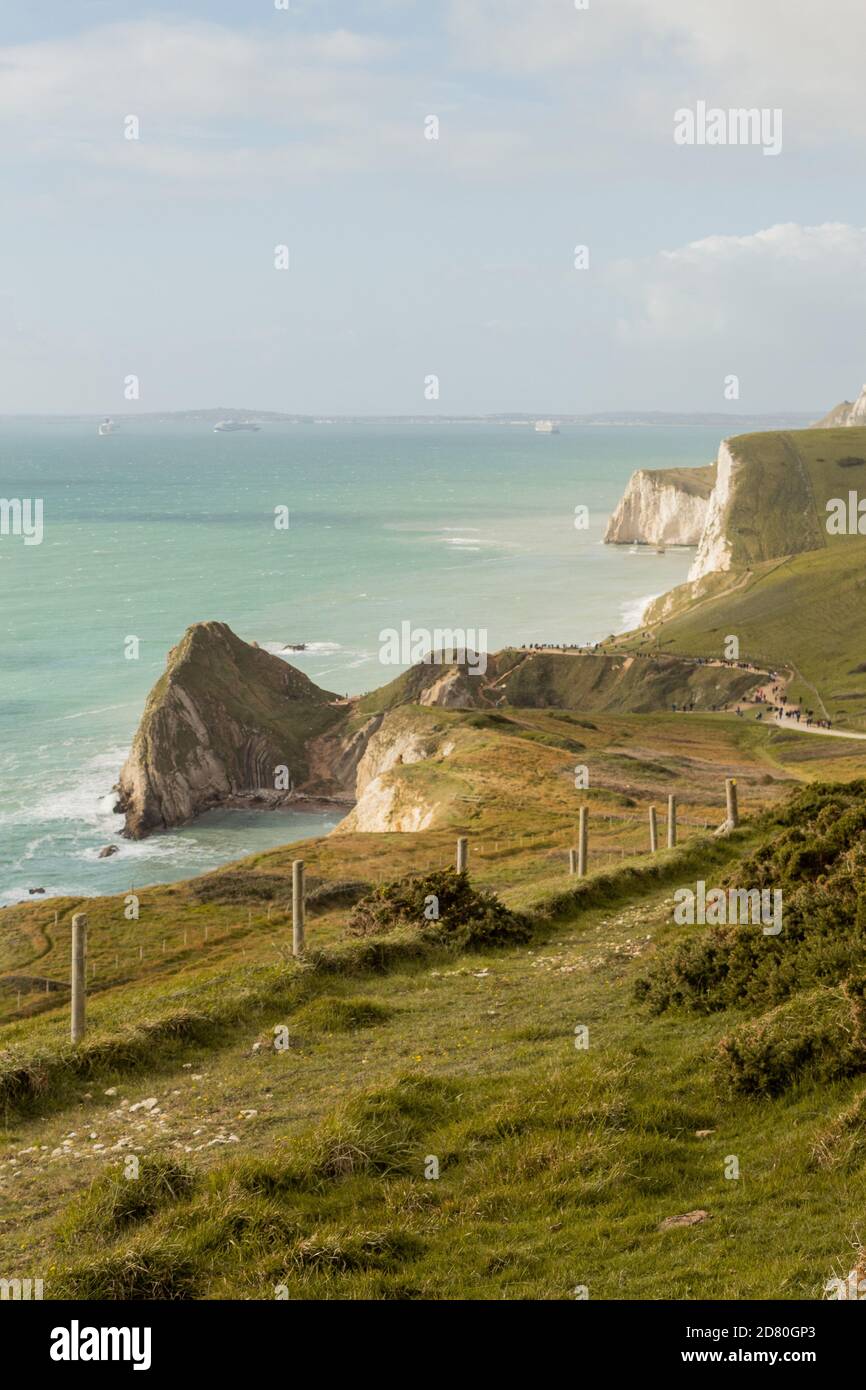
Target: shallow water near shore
<point>163,525</point>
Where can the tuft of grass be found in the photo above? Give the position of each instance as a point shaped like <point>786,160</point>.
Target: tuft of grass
<point>330,1013</point>
<point>141,1272</point>
<point>842,1145</point>
<point>354,1250</point>
<point>116,1201</point>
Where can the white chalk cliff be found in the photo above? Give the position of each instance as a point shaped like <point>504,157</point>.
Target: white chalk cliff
<point>714,547</point>
<point>846,413</point>
<point>663,506</point>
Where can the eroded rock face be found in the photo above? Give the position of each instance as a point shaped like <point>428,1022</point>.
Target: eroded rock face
<point>714,550</point>
<point>844,414</point>
<point>217,728</point>
<point>382,803</point>
<point>662,507</point>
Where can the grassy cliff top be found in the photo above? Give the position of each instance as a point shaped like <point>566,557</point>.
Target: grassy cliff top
<point>782,486</point>
<point>696,482</point>
<point>805,611</point>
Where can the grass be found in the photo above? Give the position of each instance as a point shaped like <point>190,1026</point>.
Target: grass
<point>312,1173</point>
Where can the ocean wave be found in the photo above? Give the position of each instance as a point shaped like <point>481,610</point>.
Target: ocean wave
<point>632,612</point>
<point>310,649</point>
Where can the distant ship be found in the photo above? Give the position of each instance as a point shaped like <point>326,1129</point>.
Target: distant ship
<point>107,427</point>
<point>546,427</point>
<point>229,426</point>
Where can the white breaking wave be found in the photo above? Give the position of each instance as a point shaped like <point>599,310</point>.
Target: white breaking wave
<point>633,612</point>
<point>310,649</point>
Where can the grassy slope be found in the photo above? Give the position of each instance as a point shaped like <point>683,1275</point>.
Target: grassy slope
<point>808,610</point>
<point>778,506</point>
<point>509,786</point>
<point>557,1165</point>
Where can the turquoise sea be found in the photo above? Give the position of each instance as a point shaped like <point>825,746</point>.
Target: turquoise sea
<point>162,525</point>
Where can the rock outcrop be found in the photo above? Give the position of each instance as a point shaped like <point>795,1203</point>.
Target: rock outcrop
<point>662,506</point>
<point>219,727</point>
<point>383,803</point>
<point>846,413</point>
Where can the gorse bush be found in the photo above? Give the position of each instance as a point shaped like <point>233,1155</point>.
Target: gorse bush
<point>817,1036</point>
<point>444,907</point>
<point>818,860</point>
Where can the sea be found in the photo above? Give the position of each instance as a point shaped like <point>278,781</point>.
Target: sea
<point>325,535</point>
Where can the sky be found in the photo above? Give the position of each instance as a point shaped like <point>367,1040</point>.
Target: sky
<point>709,269</point>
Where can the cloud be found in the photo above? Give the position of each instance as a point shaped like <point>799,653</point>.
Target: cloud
<point>217,104</point>
<point>781,308</point>
<point>657,52</point>
<point>762,287</point>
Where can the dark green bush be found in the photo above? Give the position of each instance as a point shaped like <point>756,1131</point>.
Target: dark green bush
<point>444,907</point>
<point>818,1035</point>
<point>818,860</point>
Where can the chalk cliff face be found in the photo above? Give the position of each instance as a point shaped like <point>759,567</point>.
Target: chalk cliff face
<point>382,800</point>
<point>218,725</point>
<point>844,414</point>
<point>714,548</point>
<point>664,506</point>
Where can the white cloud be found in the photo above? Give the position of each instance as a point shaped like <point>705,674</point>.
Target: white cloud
<point>806,58</point>
<point>781,308</point>
<point>216,104</point>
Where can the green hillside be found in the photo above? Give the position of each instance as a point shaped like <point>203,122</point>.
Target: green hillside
<point>783,482</point>
<point>807,611</point>
<point>310,1170</point>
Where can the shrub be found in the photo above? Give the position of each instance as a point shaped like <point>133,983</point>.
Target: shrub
<point>240,886</point>
<point>344,893</point>
<point>818,860</point>
<point>466,917</point>
<point>818,1035</point>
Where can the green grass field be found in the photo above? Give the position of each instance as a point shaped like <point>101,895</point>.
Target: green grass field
<point>300,1171</point>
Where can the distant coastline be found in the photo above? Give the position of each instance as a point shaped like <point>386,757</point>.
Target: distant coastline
<point>517,419</point>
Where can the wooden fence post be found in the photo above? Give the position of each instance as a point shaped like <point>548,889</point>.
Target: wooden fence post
<point>79,974</point>
<point>672,822</point>
<point>731,799</point>
<point>582,843</point>
<point>572,861</point>
<point>653,827</point>
<point>298,907</point>
<point>462,854</point>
